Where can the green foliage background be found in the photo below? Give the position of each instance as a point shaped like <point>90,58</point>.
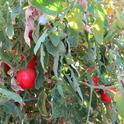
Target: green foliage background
<point>65,50</point>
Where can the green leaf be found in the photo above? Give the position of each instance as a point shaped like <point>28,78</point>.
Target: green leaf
<point>42,103</point>
<point>60,90</point>
<point>40,78</point>
<point>69,59</point>
<point>98,27</point>
<point>42,55</point>
<point>120,103</point>
<point>71,111</point>
<point>12,109</point>
<point>55,65</point>
<point>11,95</point>
<point>60,49</point>
<point>10,31</point>
<point>75,84</point>
<point>2,20</point>
<point>15,12</point>
<point>58,104</point>
<point>55,39</point>
<point>50,7</point>
<point>40,40</point>
<point>74,18</point>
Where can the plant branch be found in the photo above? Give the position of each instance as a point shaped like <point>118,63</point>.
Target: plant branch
<point>91,94</point>
<point>99,87</point>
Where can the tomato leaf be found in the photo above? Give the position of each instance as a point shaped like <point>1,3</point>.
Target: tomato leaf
<point>50,7</point>
<point>42,103</point>
<point>40,40</point>
<point>11,95</point>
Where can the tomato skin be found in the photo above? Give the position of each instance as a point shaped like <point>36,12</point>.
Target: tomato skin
<point>32,62</point>
<point>95,80</point>
<point>105,97</point>
<point>26,78</point>
<point>6,68</point>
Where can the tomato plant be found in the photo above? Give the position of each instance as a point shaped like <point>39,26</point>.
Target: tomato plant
<point>61,61</point>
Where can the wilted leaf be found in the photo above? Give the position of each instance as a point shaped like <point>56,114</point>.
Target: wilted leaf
<point>31,14</point>
<point>15,86</point>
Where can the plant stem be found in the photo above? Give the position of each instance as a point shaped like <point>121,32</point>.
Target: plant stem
<point>99,87</point>
<point>91,94</point>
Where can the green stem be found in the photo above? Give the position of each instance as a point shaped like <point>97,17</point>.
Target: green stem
<point>91,94</point>
<point>99,87</point>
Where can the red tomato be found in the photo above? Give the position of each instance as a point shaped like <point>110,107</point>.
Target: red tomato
<point>32,62</point>
<point>105,97</point>
<point>6,68</point>
<point>95,80</point>
<point>26,78</point>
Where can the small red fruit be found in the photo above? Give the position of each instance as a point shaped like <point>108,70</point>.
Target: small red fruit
<point>95,80</point>
<point>6,68</point>
<point>105,97</point>
<point>26,78</point>
<point>32,63</point>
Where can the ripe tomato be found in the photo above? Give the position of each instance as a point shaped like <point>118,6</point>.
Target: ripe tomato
<point>95,80</point>
<point>32,62</point>
<point>26,78</point>
<point>6,68</point>
<point>105,97</point>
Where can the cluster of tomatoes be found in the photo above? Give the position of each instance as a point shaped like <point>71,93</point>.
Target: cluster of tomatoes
<point>25,78</point>
<point>104,96</point>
